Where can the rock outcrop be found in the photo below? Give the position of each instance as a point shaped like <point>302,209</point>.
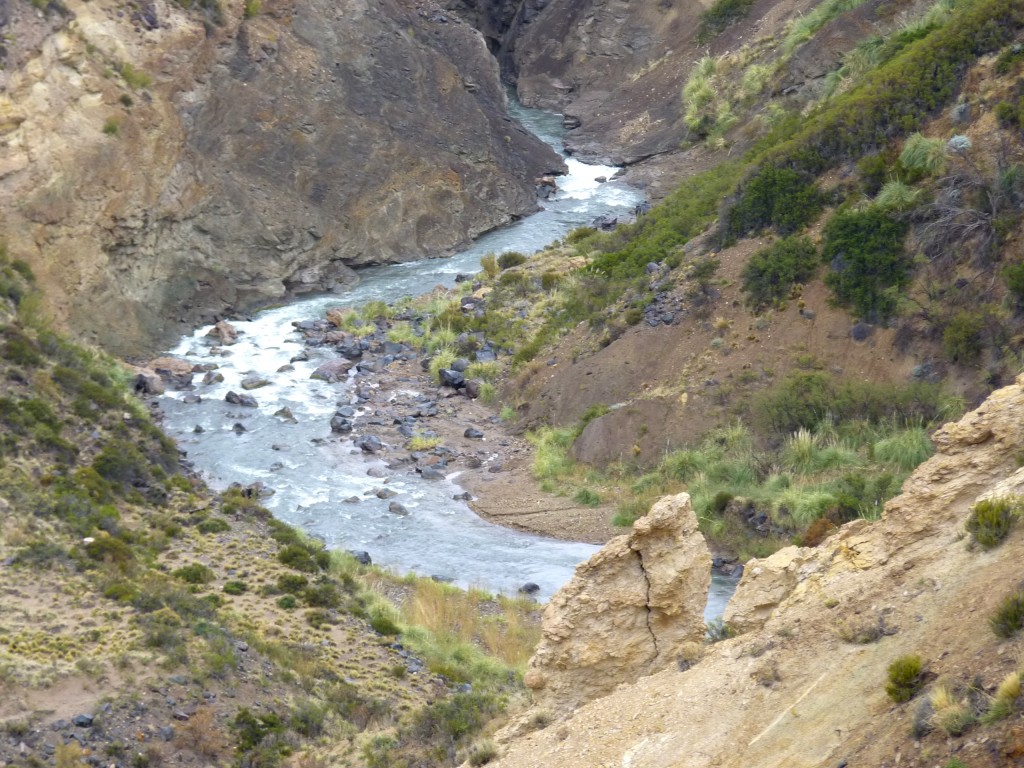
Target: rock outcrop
<point>627,612</point>
<point>805,685</point>
<point>164,166</point>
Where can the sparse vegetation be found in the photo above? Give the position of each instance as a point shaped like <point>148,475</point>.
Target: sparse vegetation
<point>1008,618</point>
<point>991,520</point>
<point>905,678</point>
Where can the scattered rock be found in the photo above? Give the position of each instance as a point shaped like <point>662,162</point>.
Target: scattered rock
<point>473,434</point>
<point>213,377</point>
<point>254,382</point>
<point>386,493</point>
<point>397,509</point>
<point>369,444</point>
<point>452,378</point>
<point>285,414</point>
<point>82,721</point>
<point>529,588</point>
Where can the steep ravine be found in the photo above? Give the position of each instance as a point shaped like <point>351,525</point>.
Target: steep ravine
<point>159,167</point>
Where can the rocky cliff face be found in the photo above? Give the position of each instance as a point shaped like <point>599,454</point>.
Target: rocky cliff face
<point>161,166</point>
<point>804,686</point>
<point>629,610</point>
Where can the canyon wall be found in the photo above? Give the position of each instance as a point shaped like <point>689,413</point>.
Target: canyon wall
<point>161,166</point>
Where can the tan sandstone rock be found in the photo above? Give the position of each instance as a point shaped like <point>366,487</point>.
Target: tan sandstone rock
<point>627,612</point>
<point>797,690</point>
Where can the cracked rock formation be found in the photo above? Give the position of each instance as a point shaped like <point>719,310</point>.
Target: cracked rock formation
<point>628,610</point>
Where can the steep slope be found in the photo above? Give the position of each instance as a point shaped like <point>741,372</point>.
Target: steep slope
<point>170,165</point>
<point>804,686</point>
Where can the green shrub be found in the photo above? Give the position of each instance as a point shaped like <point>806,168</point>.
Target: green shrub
<point>213,525</point>
<point>323,595</point>
<point>298,557</point>
<point>774,197</point>
<point>111,126</point>
<point>134,78</point>
<point>905,678</point>
<point>383,623</point>
<point>1009,114</point>
<point>511,259</point>
<point>107,549</point>
<point>252,8</point>
<point>587,497</point>
<point>287,602</point>
<point>961,338</point>
<point>291,583</point>
<point>772,272</point>
<point>1008,619</point>
<point>194,573</point>
<point>990,520</point>
<point>236,588</point>
<point>1013,276</point>
<point>868,266</point>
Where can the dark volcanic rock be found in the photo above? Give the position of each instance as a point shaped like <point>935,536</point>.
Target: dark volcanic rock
<point>333,371</point>
<point>248,401</point>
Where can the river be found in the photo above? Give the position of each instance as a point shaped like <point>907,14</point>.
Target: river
<point>313,472</point>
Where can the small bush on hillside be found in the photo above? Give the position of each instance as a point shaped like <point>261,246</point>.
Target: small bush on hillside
<point>511,259</point>
<point>1013,276</point>
<point>961,338</point>
<point>195,573</point>
<point>990,520</point>
<point>867,263</point>
<point>905,678</point>
<point>1008,619</point>
<point>896,196</point>
<point>771,273</point>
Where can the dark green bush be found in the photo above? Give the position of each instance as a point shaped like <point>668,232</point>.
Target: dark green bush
<point>40,554</point>
<point>298,557</point>
<point>511,259</point>
<point>867,263</point>
<point>456,717</point>
<point>194,573</point>
<point>236,587</point>
<point>213,525</point>
<point>106,549</point>
<point>287,602</point>
<point>720,16</point>
<point>772,272</point>
<point>291,583</point>
<point>1008,619</point>
<point>587,497</point>
<point>991,520</point>
<point>20,349</point>
<point>322,595</point>
<point>774,197</point>
<point>874,169</point>
<point>122,463</point>
<point>251,729</point>
<point>1009,114</point>
<point>905,678</point>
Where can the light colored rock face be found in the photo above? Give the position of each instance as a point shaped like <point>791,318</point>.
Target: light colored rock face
<point>263,157</point>
<point>792,691</point>
<point>627,611</point>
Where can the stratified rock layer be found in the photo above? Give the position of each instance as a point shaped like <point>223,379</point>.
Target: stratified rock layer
<point>627,611</point>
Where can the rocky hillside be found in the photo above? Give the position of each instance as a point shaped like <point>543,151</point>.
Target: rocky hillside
<point>810,679</point>
<point>173,164</point>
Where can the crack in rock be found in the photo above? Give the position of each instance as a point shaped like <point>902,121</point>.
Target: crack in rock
<point>647,602</point>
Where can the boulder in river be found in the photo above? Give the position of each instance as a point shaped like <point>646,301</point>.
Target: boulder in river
<point>397,509</point>
<point>333,371</point>
<point>225,333</point>
<point>362,557</point>
<point>340,424</point>
<point>254,382</point>
<point>247,401</point>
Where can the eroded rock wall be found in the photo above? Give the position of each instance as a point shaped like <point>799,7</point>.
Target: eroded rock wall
<point>628,610</point>
<point>238,160</point>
